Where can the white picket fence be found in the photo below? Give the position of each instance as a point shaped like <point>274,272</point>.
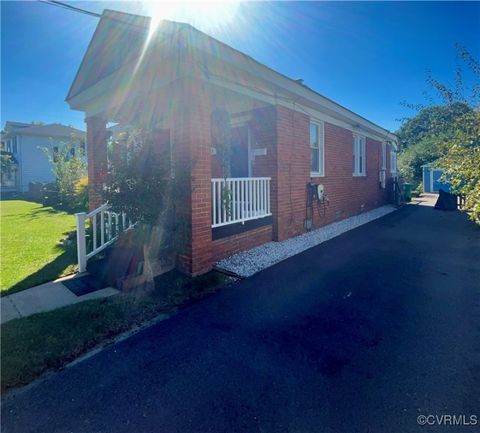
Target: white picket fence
<point>104,226</point>
<point>239,199</point>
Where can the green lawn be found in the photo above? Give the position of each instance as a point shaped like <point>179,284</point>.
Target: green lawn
<point>46,341</point>
<point>30,250</point>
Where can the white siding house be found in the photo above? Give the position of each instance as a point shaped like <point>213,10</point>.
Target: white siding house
<point>26,142</point>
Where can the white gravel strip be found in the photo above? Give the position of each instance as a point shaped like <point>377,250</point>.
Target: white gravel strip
<point>247,263</point>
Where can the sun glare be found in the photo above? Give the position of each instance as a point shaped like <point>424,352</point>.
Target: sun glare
<point>206,16</point>
<point>202,14</point>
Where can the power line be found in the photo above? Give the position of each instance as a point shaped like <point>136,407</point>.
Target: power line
<point>62,5</point>
<point>70,7</point>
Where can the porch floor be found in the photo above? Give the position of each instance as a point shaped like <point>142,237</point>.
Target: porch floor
<point>247,263</point>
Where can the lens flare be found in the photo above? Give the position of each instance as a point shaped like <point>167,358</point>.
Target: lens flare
<point>202,14</point>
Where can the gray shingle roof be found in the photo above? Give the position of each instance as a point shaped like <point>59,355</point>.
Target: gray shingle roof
<point>51,130</point>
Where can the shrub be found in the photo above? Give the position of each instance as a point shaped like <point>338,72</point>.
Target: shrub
<point>141,186</point>
<point>69,167</point>
<point>81,194</point>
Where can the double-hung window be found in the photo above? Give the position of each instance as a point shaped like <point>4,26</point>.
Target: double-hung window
<point>393,161</point>
<point>382,175</point>
<point>317,149</point>
<point>359,155</point>
<point>384,156</point>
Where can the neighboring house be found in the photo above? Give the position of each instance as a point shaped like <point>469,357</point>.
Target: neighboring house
<point>432,179</point>
<point>285,137</point>
<point>26,143</point>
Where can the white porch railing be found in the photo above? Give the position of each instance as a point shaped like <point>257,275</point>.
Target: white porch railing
<point>239,199</point>
<point>104,226</point>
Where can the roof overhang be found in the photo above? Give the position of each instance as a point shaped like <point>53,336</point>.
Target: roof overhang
<point>214,62</point>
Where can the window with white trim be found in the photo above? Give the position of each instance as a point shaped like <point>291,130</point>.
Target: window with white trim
<point>393,161</point>
<point>359,155</point>
<point>384,156</point>
<point>317,149</point>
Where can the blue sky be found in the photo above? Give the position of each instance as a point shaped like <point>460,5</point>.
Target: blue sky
<point>368,57</point>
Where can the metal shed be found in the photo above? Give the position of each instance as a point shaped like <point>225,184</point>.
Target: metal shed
<point>431,179</point>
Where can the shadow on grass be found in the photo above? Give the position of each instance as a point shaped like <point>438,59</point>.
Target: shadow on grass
<point>50,207</point>
<point>51,271</point>
<point>33,215</point>
<point>42,212</point>
<point>48,341</point>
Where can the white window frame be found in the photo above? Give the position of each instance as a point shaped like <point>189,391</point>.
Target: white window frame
<point>384,156</point>
<point>393,161</point>
<point>359,155</point>
<point>321,148</point>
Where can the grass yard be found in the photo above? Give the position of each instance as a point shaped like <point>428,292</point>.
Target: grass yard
<point>30,250</point>
<point>47,341</point>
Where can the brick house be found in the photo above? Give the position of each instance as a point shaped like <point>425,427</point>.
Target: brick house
<point>283,135</point>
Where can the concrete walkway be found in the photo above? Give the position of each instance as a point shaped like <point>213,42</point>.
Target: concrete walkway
<point>45,297</point>
<point>426,199</point>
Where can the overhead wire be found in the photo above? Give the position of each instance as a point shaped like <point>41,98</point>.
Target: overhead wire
<point>70,7</point>
<point>274,94</point>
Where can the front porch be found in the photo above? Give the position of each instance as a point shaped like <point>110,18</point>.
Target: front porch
<point>237,200</point>
<point>224,137</point>
<point>228,195</point>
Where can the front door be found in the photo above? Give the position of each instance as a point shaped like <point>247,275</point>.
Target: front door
<point>239,160</point>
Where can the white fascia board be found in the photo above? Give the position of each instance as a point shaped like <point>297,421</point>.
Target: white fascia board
<point>86,98</point>
<point>315,114</point>
<point>94,100</point>
<point>103,97</point>
<point>309,97</point>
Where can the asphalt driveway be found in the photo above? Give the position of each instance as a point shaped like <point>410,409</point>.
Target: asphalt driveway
<point>363,333</point>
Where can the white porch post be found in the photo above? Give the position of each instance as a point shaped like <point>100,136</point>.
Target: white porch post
<point>81,242</point>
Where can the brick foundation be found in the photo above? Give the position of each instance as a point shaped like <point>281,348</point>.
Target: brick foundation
<point>225,247</point>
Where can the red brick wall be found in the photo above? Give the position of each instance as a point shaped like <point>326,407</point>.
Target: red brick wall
<point>293,171</point>
<point>264,135</point>
<point>97,159</point>
<point>346,193</point>
<point>191,136</point>
<point>225,247</point>
<point>285,135</point>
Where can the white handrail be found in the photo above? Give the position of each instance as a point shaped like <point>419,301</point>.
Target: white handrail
<point>99,209</point>
<point>109,228</point>
<point>240,199</point>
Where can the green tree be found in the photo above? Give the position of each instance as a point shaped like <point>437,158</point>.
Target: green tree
<point>448,134</point>
<point>7,162</point>
<point>411,159</point>
<point>431,122</point>
<point>461,161</point>
<point>142,187</point>
<point>69,167</point>
<point>8,167</point>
